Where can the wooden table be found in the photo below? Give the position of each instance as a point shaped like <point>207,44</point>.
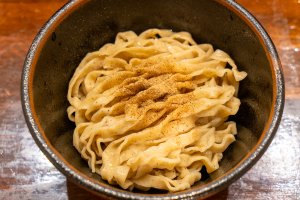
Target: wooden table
<point>25,173</point>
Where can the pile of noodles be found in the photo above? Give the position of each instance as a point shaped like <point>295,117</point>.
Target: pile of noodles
<point>151,109</point>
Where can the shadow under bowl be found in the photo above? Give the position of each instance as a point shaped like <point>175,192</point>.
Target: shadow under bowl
<point>84,26</point>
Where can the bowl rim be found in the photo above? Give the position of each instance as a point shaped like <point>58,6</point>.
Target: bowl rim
<point>105,189</point>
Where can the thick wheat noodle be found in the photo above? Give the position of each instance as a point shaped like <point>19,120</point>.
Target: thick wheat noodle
<point>151,109</point>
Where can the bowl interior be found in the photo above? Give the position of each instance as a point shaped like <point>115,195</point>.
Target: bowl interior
<point>94,23</point>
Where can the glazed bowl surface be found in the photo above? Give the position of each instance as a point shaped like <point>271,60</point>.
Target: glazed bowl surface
<point>84,26</point>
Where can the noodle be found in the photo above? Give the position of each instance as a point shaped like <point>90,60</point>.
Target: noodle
<point>151,110</point>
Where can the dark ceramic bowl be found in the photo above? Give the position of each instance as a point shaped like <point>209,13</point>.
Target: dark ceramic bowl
<point>83,26</point>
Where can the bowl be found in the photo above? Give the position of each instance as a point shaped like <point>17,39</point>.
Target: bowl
<point>82,26</point>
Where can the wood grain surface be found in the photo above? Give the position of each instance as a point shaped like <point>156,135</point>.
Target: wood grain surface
<point>25,173</point>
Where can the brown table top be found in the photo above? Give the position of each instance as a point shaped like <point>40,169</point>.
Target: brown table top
<point>25,173</point>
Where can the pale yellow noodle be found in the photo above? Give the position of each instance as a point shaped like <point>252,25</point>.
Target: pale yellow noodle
<point>151,109</point>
